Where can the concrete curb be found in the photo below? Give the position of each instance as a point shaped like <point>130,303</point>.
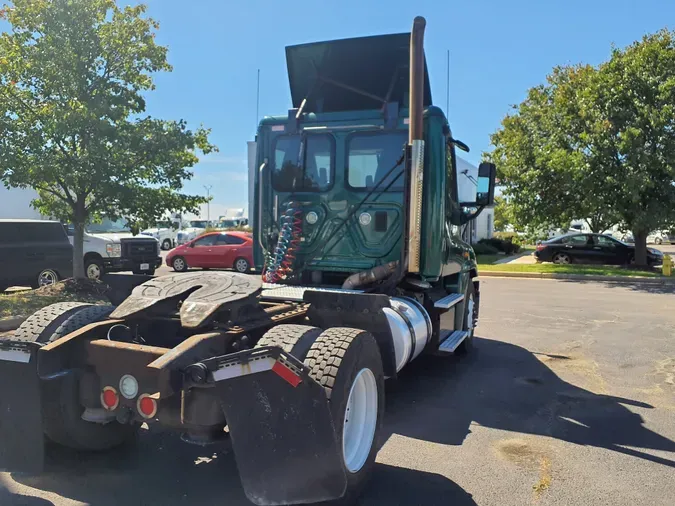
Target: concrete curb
<point>577,277</point>
<point>11,323</point>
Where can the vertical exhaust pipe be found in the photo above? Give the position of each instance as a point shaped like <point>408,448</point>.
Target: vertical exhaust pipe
<point>416,142</point>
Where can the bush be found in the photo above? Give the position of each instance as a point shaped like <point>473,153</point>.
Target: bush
<point>484,249</point>
<point>507,246</point>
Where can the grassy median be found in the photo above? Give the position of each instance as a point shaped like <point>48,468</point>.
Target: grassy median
<point>596,270</point>
<point>26,302</point>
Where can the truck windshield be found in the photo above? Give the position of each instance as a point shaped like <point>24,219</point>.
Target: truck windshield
<point>372,156</point>
<point>199,224</point>
<point>108,227</point>
<point>303,166</point>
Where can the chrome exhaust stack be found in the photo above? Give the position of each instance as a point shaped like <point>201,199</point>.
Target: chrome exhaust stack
<point>416,143</point>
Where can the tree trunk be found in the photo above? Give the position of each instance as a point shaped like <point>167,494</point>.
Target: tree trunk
<point>78,245</point>
<point>640,238</point>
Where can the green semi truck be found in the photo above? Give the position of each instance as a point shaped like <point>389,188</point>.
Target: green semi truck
<point>356,228</point>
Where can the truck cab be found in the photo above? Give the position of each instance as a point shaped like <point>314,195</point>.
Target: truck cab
<point>338,162</point>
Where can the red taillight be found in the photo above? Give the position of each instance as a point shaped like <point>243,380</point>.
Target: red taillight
<point>147,406</point>
<point>540,246</point>
<point>109,398</point>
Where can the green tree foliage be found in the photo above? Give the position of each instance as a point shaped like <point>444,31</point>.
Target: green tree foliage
<point>504,214</point>
<point>597,143</point>
<point>73,74</point>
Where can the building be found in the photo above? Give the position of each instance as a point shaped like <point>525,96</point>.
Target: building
<point>15,203</point>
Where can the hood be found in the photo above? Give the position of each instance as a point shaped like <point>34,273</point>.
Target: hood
<point>328,74</point>
<point>112,237</point>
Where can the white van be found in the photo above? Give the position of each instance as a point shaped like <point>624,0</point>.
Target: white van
<point>110,246</point>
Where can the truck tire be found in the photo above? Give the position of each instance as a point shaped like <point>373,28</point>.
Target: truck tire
<point>93,268</point>
<point>346,362</point>
<point>469,311</point>
<point>61,409</point>
<point>166,244</point>
<point>293,339</point>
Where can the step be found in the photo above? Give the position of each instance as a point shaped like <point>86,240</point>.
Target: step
<point>449,300</point>
<point>451,339</point>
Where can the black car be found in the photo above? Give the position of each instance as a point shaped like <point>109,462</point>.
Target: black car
<point>591,249</point>
<point>33,253</point>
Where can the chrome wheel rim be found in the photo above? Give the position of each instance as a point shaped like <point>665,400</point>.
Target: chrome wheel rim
<point>178,264</point>
<point>241,265</point>
<point>47,278</point>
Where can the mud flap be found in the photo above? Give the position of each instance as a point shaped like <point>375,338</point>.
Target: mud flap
<point>281,428</point>
<point>22,445</point>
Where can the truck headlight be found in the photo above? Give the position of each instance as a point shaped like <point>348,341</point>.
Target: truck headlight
<point>113,250</point>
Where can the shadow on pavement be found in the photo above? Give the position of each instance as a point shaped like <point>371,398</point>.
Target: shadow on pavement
<point>634,286</point>
<point>397,486</point>
<point>507,387</point>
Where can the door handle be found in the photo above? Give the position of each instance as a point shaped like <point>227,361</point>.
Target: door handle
<point>568,246</point>
<point>597,247</point>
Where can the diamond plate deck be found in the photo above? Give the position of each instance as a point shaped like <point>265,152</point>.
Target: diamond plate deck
<point>208,292</point>
<point>273,291</point>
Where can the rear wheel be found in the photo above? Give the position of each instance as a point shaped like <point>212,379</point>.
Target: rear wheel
<point>241,265</point>
<point>61,408</point>
<point>166,244</point>
<point>45,278</point>
<point>293,339</point>
<point>347,363</point>
<point>658,240</point>
<point>562,259</point>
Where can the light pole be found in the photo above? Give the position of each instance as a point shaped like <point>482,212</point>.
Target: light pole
<point>208,202</point>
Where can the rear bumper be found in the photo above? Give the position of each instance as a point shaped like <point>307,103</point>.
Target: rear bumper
<point>278,416</point>
<point>130,264</point>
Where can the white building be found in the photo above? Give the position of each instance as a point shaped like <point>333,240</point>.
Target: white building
<point>15,204</point>
<point>483,227</point>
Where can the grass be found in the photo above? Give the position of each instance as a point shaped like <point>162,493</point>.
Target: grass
<point>597,270</point>
<point>26,302</point>
<point>490,259</point>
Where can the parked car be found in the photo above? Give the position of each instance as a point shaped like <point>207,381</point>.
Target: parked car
<point>661,236</point>
<point>224,250</point>
<point>110,246</point>
<point>591,249</point>
<point>34,253</point>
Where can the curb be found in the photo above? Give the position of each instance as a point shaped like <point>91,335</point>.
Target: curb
<point>578,277</point>
<point>11,323</point>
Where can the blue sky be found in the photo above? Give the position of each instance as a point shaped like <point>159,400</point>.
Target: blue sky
<point>498,49</point>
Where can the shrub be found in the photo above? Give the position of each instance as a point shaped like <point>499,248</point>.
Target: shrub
<point>506,246</point>
<point>482,248</point>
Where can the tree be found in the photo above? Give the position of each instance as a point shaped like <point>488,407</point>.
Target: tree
<point>503,214</point>
<point>597,143</point>
<point>72,79</point>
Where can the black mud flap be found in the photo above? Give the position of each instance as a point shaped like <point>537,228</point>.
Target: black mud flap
<point>22,446</point>
<point>281,428</point>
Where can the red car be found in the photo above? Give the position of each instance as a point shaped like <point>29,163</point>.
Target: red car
<point>216,250</point>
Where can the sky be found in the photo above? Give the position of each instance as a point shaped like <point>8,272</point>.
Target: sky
<point>498,50</point>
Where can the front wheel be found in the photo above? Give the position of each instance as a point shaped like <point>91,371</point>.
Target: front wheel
<point>179,264</point>
<point>166,244</point>
<point>658,240</point>
<point>346,362</point>
<point>93,269</point>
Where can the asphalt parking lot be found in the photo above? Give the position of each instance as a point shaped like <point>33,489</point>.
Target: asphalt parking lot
<point>567,398</point>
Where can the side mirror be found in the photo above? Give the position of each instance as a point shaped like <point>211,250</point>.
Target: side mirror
<point>192,244</point>
<point>485,192</point>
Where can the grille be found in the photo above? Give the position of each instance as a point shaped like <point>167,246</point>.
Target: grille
<point>140,250</point>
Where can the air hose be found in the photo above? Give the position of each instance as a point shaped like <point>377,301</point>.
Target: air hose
<point>281,262</point>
